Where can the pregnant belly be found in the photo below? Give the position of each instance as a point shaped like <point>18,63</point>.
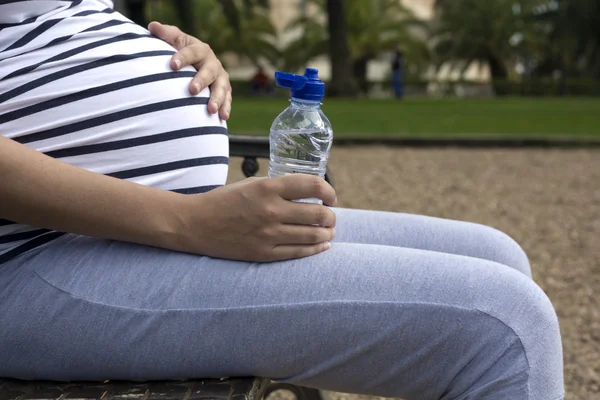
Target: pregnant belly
<point>97,92</point>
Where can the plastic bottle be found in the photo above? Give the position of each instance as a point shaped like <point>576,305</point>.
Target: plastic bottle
<point>301,136</point>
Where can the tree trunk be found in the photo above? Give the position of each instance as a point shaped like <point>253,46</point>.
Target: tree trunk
<point>499,75</point>
<point>359,69</point>
<point>185,15</point>
<point>232,15</point>
<point>136,10</point>
<point>342,82</point>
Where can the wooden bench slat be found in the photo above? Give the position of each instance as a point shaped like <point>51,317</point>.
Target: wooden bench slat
<point>200,389</point>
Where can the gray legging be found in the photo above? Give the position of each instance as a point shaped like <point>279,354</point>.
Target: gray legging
<point>401,305</point>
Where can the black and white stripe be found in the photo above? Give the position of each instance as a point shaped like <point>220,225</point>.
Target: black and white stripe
<point>83,84</point>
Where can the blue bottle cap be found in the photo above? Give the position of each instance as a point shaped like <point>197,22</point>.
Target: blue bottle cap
<point>307,87</point>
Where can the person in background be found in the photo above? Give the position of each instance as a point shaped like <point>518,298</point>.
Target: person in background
<point>261,82</point>
<point>397,72</point>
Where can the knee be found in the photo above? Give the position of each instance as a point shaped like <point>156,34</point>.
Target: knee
<point>533,319</point>
<point>522,338</point>
<point>499,247</point>
<point>529,313</point>
<point>517,301</point>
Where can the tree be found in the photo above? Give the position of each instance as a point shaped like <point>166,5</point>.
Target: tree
<point>373,28</point>
<point>235,11</point>
<point>241,27</point>
<point>377,27</point>
<point>573,32</point>
<point>342,81</point>
<point>540,36</point>
<point>493,32</point>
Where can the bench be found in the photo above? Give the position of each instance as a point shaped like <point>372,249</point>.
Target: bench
<point>192,389</point>
<point>244,388</point>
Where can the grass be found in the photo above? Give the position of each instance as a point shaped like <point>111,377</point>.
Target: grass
<point>515,117</point>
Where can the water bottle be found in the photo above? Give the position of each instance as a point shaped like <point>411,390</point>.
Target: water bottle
<point>301,136</point>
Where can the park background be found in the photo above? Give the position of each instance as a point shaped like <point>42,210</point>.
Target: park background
<point>499,121</point>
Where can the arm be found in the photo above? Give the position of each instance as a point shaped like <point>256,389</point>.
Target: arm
<point>252,220</point>
<point>43,192</point>
<point>38,190</point>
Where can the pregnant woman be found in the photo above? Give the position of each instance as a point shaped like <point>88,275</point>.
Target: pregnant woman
<point>123,254</point>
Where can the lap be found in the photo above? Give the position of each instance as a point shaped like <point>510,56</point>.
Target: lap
<point>119,310</point>
<point>378,247</point>
<point>141,277</point>
<point>374,253</point>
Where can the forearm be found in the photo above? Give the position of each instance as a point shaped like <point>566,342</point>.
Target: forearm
<point>40,191</point>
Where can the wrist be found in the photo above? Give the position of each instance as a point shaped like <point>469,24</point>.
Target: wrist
<point>183,223</point>
<point>171,221</point>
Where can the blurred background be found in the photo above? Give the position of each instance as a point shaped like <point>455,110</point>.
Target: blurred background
<point>422,86</point>
<point>390,50</point>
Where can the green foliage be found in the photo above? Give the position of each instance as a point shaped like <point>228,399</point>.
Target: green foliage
<point>492,32</point>
<point>374,27</point>
<point>242,27</point>
<point>573,44</point>
<point>542,35</point>
<point>377,26</point>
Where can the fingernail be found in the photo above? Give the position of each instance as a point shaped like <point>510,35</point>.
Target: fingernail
<point>177,64</point>
<point>198,87</point>
<point>215,106</point>
<point>327,246</point>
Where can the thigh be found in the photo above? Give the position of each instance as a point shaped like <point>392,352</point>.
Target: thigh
<point>358,318</point>
<point>430,233</point>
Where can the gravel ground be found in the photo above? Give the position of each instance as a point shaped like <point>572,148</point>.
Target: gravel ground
<point>546,199</point>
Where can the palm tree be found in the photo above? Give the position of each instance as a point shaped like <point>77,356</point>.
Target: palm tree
<point>373,28</point>
<point>236,10</point>
<point>573,44</point>
<point>242,27</point>
<point>492,32</point>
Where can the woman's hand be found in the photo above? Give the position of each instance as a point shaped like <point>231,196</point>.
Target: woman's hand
<point>192,51</point>
<point>254,220</point>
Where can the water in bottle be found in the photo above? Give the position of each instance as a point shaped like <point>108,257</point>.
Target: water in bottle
<point>301,136</point>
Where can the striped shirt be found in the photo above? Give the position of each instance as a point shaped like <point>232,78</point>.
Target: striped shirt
<point>83,84</point>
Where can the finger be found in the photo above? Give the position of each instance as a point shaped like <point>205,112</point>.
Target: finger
<point>304,234</point>
<point>198,55</point>
<point>287,252</point>
<point>304,186</point>
<point>225,110</point>
<point>308,214</point>
<point>171,34</point>
<point>219,89</point>
<point>207,75</point>
<point>176,38</point>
